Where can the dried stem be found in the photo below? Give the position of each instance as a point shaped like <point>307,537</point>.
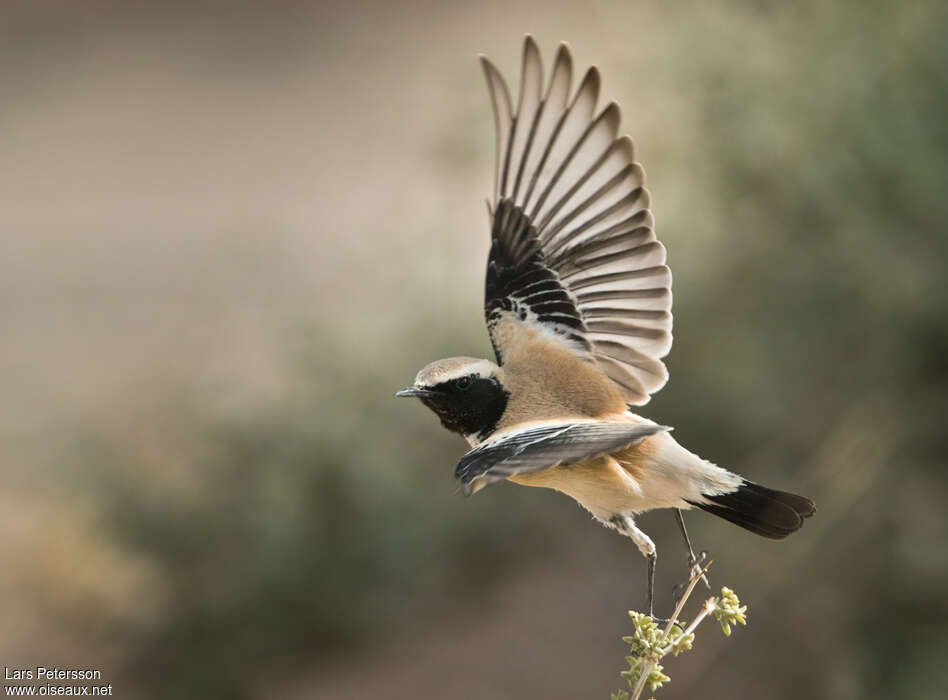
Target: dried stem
<point>684,597</point>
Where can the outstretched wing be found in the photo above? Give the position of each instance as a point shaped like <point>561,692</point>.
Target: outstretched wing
<point>573,248</point>
<point>539,447</point>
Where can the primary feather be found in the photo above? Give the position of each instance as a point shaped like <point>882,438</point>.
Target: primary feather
<point>573,248</point>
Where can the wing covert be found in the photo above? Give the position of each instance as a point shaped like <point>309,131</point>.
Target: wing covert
<point>572,242</point>
<point>539,447</point>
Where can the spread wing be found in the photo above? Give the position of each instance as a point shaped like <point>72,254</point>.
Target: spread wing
<point>573,248</point>
<point>539,447</point>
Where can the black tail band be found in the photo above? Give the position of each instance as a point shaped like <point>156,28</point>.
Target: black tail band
<point>763,511</point>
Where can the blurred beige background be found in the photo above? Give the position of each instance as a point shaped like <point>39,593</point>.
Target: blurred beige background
<point>229,231</point>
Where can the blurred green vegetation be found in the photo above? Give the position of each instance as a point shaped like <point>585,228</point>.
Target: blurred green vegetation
<point>809,236</point>
<point>309,525</point>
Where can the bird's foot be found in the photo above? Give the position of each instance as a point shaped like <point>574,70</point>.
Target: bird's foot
<point>660,621</point>
<point>696,565</point>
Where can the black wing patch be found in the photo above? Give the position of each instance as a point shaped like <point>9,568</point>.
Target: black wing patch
<point>542,446</point>
<point>520,281</point>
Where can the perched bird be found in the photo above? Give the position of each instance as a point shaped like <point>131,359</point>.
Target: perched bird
<point>578,307</point>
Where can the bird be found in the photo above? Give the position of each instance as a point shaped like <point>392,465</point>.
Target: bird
<point>578,309</point>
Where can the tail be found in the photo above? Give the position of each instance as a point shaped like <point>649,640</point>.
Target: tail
<point>764,511</point>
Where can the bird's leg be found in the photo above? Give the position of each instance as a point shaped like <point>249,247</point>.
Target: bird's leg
<point>694,562</point>
<point>626,526</point>
<point>652,556</point>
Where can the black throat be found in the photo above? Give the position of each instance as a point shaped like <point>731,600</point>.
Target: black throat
<point>472,410</point>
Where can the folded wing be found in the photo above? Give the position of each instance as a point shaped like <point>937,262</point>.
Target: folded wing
<point>573,248</point>
<point>539,447</point>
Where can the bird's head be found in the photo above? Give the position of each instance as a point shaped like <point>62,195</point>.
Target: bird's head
<point>466,393</point>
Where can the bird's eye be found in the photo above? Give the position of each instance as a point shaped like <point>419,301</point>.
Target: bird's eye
<point>464,382</point>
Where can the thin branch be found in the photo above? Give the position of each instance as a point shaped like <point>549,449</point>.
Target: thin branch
<point>650,644</point>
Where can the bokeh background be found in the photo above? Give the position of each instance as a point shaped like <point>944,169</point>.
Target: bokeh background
<point>230,231</point>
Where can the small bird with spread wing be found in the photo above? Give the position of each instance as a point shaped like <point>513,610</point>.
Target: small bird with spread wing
<point>578,307</point>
